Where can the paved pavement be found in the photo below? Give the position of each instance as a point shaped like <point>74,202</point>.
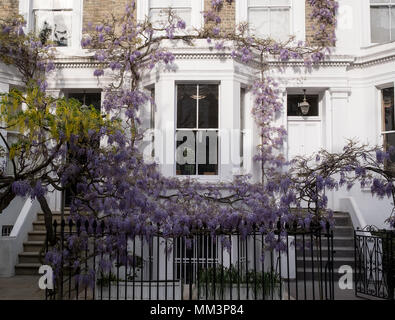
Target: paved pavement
<point>26,288</point>
<point>20,288</point>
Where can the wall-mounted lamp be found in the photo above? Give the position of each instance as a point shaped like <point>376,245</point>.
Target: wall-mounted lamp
<point>304,105</point>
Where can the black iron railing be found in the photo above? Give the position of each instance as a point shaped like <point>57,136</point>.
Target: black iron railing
<point>199,267</point>
<point>375,263</point>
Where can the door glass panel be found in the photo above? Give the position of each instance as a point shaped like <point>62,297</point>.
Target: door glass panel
<point>293,105</point>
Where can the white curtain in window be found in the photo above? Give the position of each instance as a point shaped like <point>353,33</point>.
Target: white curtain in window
<point>380,24</point>
<point>270,18</point>
<point>382,20</point>
<point>182,8</point>
<point>59,23</point>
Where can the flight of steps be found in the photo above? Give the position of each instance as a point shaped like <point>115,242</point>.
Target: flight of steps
<point>343,245</point>
<point>29,259</point>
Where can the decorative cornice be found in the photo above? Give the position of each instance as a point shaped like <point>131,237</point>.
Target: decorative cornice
<point>372,62</point>
<point>334,61</point>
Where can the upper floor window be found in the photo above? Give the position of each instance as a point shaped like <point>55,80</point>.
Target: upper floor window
<point>382,20</point>
<point>53,21</point>
<point>270,18</point>
<point>58,21</point>
<point>188,10</point>
<point>182,8</point>
<point>197,129</point>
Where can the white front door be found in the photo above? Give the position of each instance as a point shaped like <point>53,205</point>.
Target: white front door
<point>304,132</point>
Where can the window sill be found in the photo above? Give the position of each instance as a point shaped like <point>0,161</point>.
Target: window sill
<point>295,118</point>
<point>203,179</point>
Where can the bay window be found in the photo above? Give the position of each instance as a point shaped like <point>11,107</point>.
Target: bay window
<point>197,129</point>
<point>382,20</point>
<point>270,18</point>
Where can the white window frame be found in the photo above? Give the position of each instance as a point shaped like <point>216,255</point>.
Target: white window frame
<point>6,230</point>
<point>366,5</point>
<point>218,130</point>
<point>27,9</point>
<point>143,9</point>
<point>379,90</point>
<point>297,14</point>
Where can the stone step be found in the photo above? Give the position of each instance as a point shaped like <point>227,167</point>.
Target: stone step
<point>39,226</point>
<point>339,252</point>
<point>27,269</point>
<point>343,241</point>
<point>337,262</point>
<point>309,275</point>
<point>36,236</point>
<point>341,214</point>
<point>343,221</point>
<point>33,246</point>
<point>343,231</point>
<point>29,257</point>
<point>55,216</point>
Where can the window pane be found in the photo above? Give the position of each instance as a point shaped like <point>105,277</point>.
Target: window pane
<point>279,24</point>
<point>186,106</point>
<point>393,22</point>
<point>159,17</point>
<point>389,122</point>
<point>185,153</point>
<point>56,25</point>
<point>259,20</point>
<point>270,22</point>
<point>62,28</point>
<point>208,106</point>
<point>91,99</point>
<point>388,104</point>
<point>380,24</point>
<point>207,146</point>
<point>293,105</point>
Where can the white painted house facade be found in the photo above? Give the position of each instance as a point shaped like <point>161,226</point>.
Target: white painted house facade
<point>351,96</point>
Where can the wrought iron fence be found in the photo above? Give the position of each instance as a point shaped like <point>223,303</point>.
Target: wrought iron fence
<point>198,267</point>
<point>375,263</point>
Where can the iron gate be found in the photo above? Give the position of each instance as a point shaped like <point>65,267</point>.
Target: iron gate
<point>374,263</point>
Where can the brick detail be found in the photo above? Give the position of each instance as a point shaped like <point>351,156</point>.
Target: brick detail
<point>227,15</point>
<point>309,24</point>
<point>8,8</point>
<point>95,11</point>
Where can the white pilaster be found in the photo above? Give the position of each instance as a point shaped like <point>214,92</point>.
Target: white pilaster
<point>340,118</point>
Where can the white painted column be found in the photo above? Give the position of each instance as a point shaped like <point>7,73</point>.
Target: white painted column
<point>229,128</point>
<point>340,119</point>
<point>165,124</point>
